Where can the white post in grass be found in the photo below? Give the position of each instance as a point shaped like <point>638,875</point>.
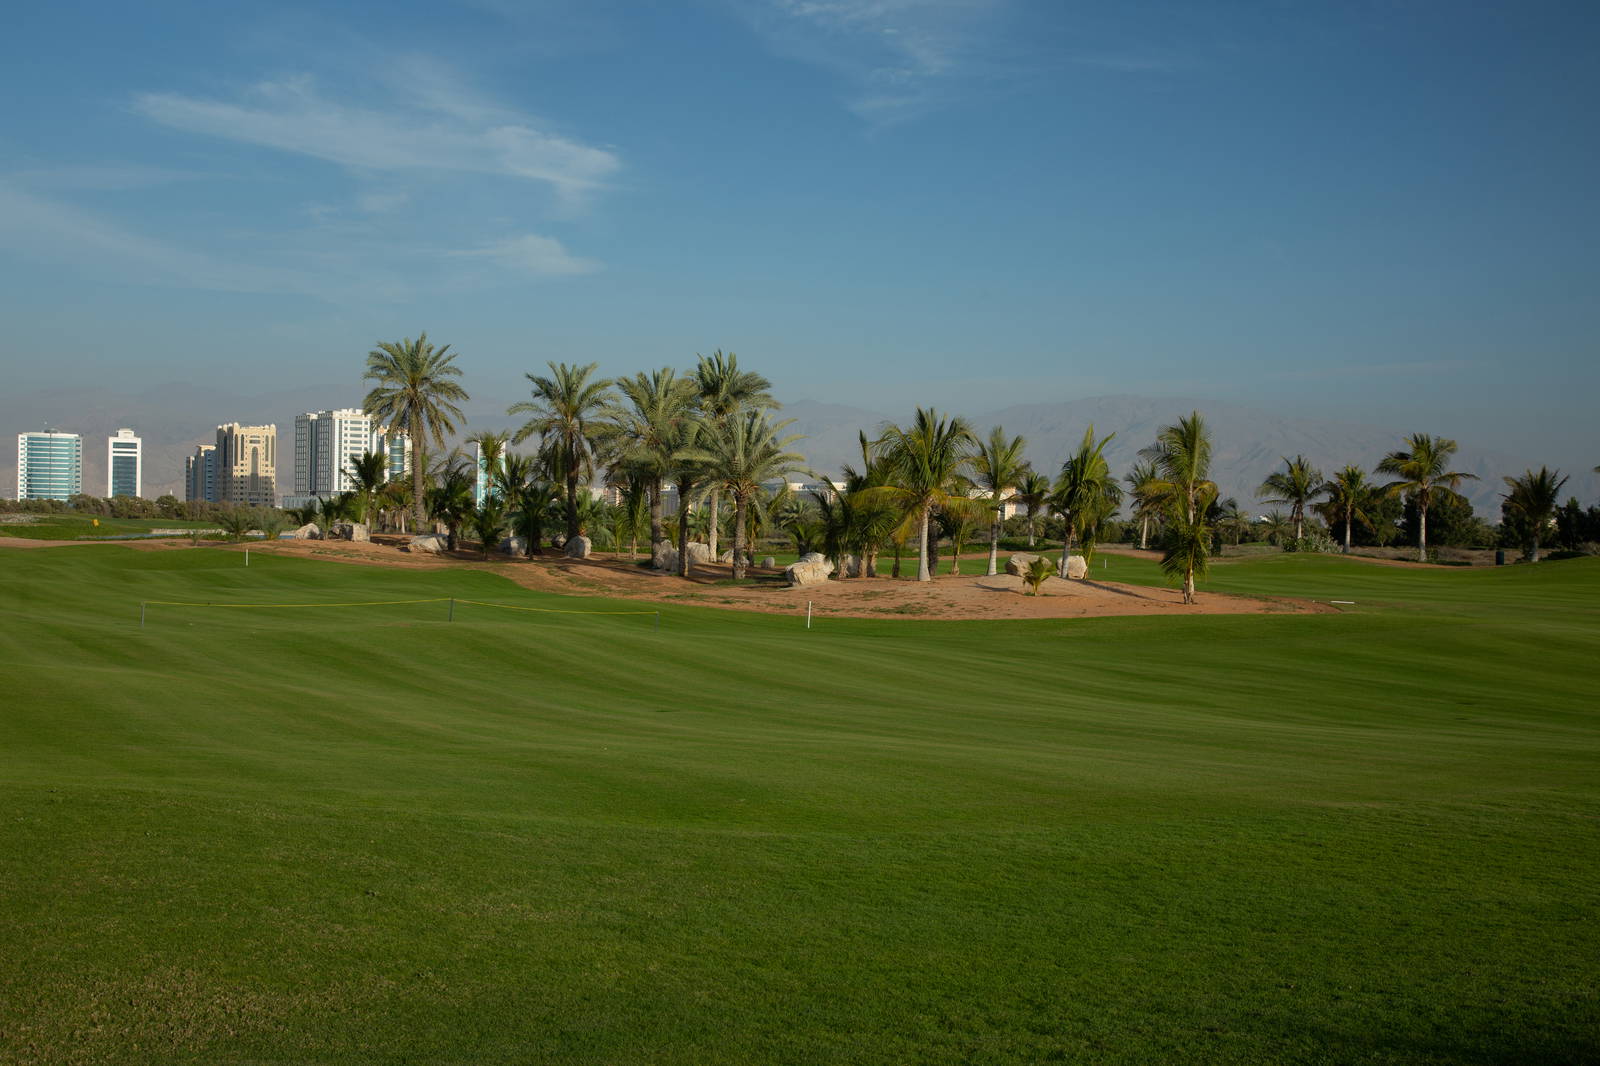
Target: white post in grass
<point>808,614</point>
<point>247,557</point>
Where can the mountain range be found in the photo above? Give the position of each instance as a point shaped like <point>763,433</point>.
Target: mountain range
<point>1250,443</point>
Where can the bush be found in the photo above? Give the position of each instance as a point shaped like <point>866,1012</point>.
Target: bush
<point>1315,540</point>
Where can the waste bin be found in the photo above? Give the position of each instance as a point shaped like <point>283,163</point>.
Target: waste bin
<point>1499,557</point>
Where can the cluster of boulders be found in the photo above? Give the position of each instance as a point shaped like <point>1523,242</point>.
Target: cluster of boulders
<point>428,544</point>
<point>1017,565</point>
<point>338,531</point>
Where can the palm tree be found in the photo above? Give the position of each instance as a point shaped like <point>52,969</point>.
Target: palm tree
<point>1141,480</point>
<point>923,466</point>
<point>1084,482</point>
<point>491,454</point>
<point>739,455</point>
<point>1276,527</point>
<point>489,522</point>
<point>724,391</point>
<point>1039,571</point>
<point>1534,498</point>
<point>450,500</point>
<point>1033,489</point>
<point>1419,469</point>
<point>415,393</point>
<point>998,466</point>
<point>651,430</point>
<point>334,508</point>
<point>564,414</point>
<point>1182,457</point>
<point>1350,498</point>
<point>537,503</point>
<point>370,473</point>
<point>1232,520</point>
<point>1297,484</point>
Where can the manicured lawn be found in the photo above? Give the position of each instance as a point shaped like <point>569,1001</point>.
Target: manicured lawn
<point>371,835</point>
<point>83,527</point>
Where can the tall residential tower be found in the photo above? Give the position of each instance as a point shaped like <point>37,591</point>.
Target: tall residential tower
<point>124,465</point>
<point>49,465</point>
<point>247,465</point>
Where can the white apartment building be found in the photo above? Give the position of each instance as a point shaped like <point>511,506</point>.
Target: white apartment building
<point>328,443</point>
<point>124,464</point>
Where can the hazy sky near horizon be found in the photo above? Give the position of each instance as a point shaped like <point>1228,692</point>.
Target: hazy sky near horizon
<point>1369,211</point>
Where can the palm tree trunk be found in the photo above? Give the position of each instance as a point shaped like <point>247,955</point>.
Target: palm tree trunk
<point>418,467</point>
<point>1144,532</point>
<point>1066,545</point>
<point>711,533</point>
<point>1349,520</point>
<point>657,527</point>
<point>922,548</point>
<point>1030,527</point>
<point>738,535</point>
<point>1188,584</point>
<point>897,549</point>
<point>572,505</point>
<point>685,487</point>
<point>1422,532</point>
<point>994,544</point>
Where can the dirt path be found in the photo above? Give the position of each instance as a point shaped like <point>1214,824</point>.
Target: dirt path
<point>962,596</point>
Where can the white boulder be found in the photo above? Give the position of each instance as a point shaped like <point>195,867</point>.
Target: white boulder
<point>427,544</point>
<point>309,531</point>
<point>698,552</point>
<point>578,547</point>
<point>1018,564</point>
<point>515,545</point>
<point>1077,567</point>
<point>349,531</point>
<point>663,556</point>
<point>768,562</point>
<point>812,568</point>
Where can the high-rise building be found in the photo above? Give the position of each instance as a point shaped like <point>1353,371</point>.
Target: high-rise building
<point>49,465</point>
<point>124,464</point>
<point>200,474</point>
<point>328,443</point>
<point>247,464</point>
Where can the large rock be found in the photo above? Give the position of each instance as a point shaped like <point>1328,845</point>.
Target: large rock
<point>515,545</point>
<point>663,556</point>
<point>1018,564</point>
<point>811,569</point>
<point>726,558</point>
<point>768,562</point>
<point>350,531</point>
<point>309,531</point>
<point>851,566</point>
<point>1077,568</point>
<point>698,552</point>
<point>427,544</point>
<point>578,547</point>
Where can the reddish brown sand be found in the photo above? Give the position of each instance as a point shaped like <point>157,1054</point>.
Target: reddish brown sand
<point>963,596</point>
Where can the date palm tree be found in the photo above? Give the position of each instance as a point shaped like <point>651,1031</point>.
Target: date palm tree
<point>565,414</point>
<point>1183,486</point>
<point>738,455</point>
<point>1296,485</point>
<point>1419,472</point>
<point>997,467</point>
<point>370,474</point>
<point>489,523</point>
<point>1232,521</point>
<point>1033,489</point>
<point>450,499</point>
<point>1083,485</point>
<point>1534,497</point>
<point>924,464</point>
<point>416,392</point>
<point>1350,500</point>
<point>537,504</point>
<point>724,391</point>
<point>651,419</point>
<point>1146,507</point>
<point>491,454</point>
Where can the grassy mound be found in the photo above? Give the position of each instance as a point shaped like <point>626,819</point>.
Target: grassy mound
<point>369,834</point>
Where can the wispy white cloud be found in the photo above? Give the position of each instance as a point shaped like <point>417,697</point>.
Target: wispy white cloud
<point>107,177</point>
<point>441,126</point>
<point>378,202</point>
<point>532,254</point>
<point>900,57</point>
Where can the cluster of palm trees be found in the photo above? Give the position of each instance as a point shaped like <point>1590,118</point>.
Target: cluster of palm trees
<point>707,435</point>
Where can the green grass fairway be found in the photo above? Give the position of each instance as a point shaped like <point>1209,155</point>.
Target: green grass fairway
<point>372,835</point>
<point>83,527</point>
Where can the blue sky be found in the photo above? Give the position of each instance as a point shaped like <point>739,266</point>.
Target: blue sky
<point>1379,212</point>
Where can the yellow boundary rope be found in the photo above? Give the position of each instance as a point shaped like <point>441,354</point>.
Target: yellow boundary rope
<point>549,610</point>
<point>369,603</point>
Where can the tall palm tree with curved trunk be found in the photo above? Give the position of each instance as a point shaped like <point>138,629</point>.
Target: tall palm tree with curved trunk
<point>1083,485</point>
<point>997,466</point>
<point>725,391</point>
<point>565,414</point>
<point>1419,472</point>
<point>1350,498</point>
<point>1183,486</point>
<point>1033,490</point>
<point>924,464</point>
<point>738,455</point>
<point>1296,485</point>
<point>416,392</point>
<point>1534,497</point>
<point>651,421</point>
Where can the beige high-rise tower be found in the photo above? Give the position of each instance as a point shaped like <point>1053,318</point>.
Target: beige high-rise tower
<point>247,465</point>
